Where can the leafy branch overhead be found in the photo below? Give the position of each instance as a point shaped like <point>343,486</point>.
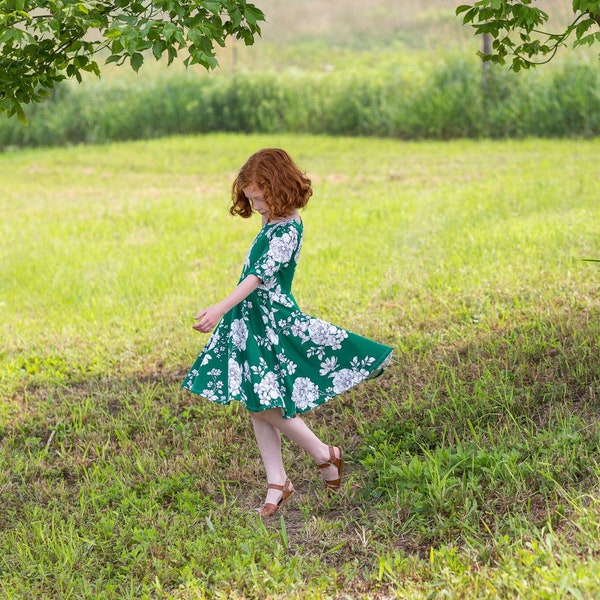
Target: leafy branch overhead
<point>517,29</point>
<point>45,41</point>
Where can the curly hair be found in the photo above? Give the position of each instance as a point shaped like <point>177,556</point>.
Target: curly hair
<point>284,185</point>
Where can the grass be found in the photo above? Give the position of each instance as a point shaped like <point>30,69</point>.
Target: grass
<point>473,461</point>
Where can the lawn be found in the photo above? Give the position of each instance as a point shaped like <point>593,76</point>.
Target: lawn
<point>473,462</point>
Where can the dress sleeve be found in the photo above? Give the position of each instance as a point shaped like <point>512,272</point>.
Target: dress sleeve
<point>283,243</point>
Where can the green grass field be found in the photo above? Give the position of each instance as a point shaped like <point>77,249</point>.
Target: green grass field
<point>474,466</point>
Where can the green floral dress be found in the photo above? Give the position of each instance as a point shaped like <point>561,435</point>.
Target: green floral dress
<point>267,353</point>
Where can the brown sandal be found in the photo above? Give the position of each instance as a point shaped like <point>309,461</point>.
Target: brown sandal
<point>333,484</point>
<point>268,509</point>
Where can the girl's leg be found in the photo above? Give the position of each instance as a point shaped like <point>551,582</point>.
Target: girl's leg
<point>268,440</point>
<point>299,432</point>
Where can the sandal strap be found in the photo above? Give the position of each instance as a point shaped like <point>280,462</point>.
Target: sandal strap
<point>338,463</point>
<point>333,461</point>
<point>286,487</point>
<point>268,509</point>
<point>333,484</point>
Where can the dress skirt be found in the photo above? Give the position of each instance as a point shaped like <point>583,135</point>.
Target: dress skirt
<point>267,353</point>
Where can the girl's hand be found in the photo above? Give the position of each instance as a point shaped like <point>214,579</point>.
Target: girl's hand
<point>208,319</point>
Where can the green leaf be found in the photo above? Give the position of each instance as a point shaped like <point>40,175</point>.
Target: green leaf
<point>586,39</point>
<point>462,8</point>
<point>73,71</point>
<point>136,60</point>
<point>169,30</point>
<point>172,53</point>
<point>583,27</point>
<point>470,15</point>
<point>21,114</point>
<point>158,48</point>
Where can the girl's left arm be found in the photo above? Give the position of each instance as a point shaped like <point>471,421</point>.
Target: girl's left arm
<point>210,316</point>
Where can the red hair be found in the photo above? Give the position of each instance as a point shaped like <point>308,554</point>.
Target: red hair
<point>284,185</point>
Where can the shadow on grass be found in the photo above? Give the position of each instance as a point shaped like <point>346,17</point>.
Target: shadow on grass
<point>465,443</point>
<point>495,434</point>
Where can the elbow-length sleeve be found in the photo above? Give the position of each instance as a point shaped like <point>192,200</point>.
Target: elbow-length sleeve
<point>283,243</point>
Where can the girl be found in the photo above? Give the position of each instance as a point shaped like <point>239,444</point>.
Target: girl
<point>266,353</point>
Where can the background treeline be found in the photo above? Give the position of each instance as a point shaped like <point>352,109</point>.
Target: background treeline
<point>451,100</point>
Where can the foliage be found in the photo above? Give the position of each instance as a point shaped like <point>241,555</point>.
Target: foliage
<point>45,41</point>
<point>445,101</point>
<point>515,25</point>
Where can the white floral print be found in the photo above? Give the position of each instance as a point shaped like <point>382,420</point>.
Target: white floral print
<point>268,389</point>
<point>272,335</point>
<point>234,378</point>
<point>298,328</point>
<point>325,334</point>
<point>281,248</point>
<point>282,243</point>
<point>267,353</point>
<point>344,379</point>
<point>328,365</point>
<point>304,393</point>
<point>239,334</point>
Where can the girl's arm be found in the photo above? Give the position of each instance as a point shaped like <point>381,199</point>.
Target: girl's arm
<point>209,317</point>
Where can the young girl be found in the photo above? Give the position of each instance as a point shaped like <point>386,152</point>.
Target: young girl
<point>266,353</point>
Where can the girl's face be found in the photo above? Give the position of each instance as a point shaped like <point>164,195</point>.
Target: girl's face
<point>257,198</point>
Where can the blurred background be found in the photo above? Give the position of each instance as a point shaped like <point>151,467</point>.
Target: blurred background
<point>405,69</point>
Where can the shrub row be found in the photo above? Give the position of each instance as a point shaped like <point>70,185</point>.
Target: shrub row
<point>450,100</point>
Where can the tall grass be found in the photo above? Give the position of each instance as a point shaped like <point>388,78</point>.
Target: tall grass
<point>444,100</point>
<point>472,464</point>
